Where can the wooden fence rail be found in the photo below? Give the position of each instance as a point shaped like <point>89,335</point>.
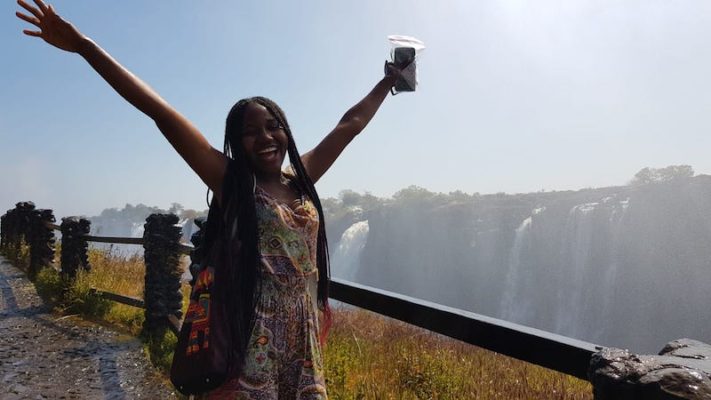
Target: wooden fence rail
<point>162,298</point>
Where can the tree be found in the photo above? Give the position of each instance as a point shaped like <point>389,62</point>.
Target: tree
<point>667,174</point>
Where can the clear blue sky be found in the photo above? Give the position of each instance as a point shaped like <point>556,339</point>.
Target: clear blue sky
<point>515,96</point>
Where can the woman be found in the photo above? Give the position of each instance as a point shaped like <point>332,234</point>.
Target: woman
<point>281,221</point>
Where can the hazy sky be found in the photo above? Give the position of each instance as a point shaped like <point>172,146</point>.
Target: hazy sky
<point>514,96</point>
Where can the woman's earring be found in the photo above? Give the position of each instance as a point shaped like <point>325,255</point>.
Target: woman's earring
<point>254,187</point>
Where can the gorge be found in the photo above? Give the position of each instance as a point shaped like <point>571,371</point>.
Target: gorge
<point>626,266</point>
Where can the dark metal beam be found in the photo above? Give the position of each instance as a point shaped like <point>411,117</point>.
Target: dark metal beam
<point>566,355</point>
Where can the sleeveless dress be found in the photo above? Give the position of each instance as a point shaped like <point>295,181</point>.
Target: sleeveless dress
<point>283,359</point>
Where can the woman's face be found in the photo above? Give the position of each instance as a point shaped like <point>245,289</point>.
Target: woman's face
<point>264,140</point>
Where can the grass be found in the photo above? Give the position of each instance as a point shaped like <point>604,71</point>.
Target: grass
<point>368,356</point>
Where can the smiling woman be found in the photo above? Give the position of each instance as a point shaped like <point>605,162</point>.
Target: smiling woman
<point>279,281</point>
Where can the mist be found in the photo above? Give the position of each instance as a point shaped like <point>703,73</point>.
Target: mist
<point>626,266</point>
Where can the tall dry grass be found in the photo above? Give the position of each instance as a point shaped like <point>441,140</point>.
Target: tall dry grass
<point>120,274</point>
<point>369,356</point>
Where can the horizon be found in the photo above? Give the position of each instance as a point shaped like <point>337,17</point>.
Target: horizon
<point>339,196</point>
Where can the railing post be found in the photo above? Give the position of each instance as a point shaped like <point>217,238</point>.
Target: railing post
<point>74,247</point>
<point>8,232</point>
<point>24,210</point>
<point>41,241</point>
<point>198,252</point>
<point>162,294</point>
<point>3,232</point>
<point>14,233</point>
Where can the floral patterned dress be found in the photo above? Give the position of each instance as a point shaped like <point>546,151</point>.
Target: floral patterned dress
<point>283,358</point>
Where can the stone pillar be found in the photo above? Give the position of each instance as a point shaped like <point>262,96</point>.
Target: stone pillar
<point>682,370</point>
<point>74,246</point>
<point>23,224</point>
<point>198,253</point>
<point>9,231</point>
<point>3,232</point>
<point>162,295</point>
<point>41,241</point>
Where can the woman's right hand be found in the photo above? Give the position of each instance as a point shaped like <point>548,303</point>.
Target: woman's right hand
<point>53,29</point>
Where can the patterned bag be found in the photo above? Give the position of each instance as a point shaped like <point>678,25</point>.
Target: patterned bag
<point>200,361</point>
<point>204,352</point>
<point>201,358</point>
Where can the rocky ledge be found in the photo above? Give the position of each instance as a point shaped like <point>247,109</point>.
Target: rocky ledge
<point>682,370</point>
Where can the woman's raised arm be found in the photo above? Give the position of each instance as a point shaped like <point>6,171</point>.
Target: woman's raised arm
<point>208,162</point>
<point>320,159</point>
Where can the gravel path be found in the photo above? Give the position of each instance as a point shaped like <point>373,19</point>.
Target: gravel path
<point>45,356</point>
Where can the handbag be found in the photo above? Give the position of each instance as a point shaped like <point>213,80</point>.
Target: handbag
<point>200,361</point>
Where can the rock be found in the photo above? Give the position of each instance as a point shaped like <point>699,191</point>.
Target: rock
<point>682,370</point>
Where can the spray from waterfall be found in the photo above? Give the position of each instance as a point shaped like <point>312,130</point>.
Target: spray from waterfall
<point>512,304</point>
<point>345,261</point>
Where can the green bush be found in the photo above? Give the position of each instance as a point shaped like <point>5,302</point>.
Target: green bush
<point>49,285</point>
<point>160,348</point>
<point>81,300</point>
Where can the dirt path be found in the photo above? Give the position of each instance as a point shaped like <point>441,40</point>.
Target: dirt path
<point>45,356</point>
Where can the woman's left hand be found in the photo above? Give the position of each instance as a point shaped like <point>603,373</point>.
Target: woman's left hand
<point>53,29</point>
<point>392,71</point>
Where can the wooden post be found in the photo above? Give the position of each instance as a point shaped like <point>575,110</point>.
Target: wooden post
<point>41,241</point>
<point>162,294</point>
<point>74,247</point>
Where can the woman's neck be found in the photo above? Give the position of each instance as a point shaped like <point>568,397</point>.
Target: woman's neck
<point>274,183</point>
<point>269,179</point>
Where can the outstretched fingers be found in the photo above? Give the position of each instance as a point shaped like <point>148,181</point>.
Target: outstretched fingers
<point>34,21</point>
<point>41,6</point>
<point>37,13</point>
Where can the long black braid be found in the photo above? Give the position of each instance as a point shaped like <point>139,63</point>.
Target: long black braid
<point>242,303</point>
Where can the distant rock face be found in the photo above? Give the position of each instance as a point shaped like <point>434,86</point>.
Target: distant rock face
<point>556,261</point>
<point>682,370</point>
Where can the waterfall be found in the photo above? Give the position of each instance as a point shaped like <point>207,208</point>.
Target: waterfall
<point>345,261</point>
<point>609,278</point>
<point>512,304</point>
<point>577,243</point>
<point>137,229</point>
<point>589,267</point>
